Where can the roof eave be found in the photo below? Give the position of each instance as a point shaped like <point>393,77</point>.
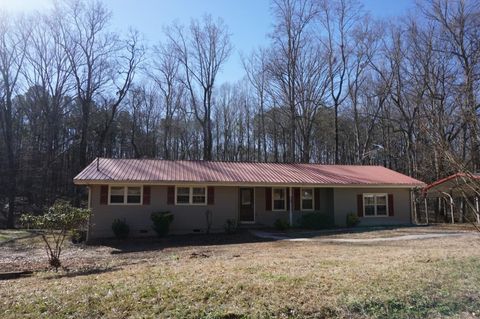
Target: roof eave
<point>265,184</point>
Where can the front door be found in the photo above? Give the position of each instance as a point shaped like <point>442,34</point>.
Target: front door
<point>247,213</point>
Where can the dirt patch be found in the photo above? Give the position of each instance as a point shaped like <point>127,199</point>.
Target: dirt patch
<point>28,253</point>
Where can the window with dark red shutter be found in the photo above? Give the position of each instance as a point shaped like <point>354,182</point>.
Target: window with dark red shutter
<point>360,205</point>
<point>104,195</point>
<point>391,206</point>
<point>211,195</point>
<point>296,198</point>
<point>146,195</point>
<point>170,195</point>
<point>287,194</point>
<point>268,198</point>
<point>316,201</point>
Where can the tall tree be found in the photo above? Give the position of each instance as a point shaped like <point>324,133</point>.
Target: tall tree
<point>338,18</point>
<point>292,32</point>
<point>165,74</point>
<point>458,22</point>
<point>202,49</point>
<point>13,43</point>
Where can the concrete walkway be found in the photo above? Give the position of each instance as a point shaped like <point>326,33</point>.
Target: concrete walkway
<point>276,236</point>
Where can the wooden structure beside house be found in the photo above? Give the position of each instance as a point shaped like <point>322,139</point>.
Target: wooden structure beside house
<point>456,197</point>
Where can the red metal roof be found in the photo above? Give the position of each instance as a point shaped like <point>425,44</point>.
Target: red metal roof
<point>162,171</point>
<point>451,182</point>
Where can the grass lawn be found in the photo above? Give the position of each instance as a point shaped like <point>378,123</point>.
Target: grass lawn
<point>7,234</point>
<point>239,276</point>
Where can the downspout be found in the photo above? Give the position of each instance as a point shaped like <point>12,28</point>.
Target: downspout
<point>291,206</point>
<point>89,206</point>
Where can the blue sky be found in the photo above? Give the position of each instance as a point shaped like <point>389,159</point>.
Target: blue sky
<point>249,21</point>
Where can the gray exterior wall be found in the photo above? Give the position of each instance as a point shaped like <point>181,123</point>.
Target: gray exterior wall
<point>345,202</point>
<point>187,219</point>
<point>268,218</point>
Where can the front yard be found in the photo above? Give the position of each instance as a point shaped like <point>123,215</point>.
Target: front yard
<point>234,276</point>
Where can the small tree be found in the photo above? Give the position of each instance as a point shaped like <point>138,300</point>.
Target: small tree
<point>56,223</point>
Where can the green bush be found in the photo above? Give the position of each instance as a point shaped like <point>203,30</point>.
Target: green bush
<point>316,220</point>
<point>281,224</point>
<point>120,229</point>
<point>352,220</point>
<point>231,226</point>
<point>161,222</point>
<point>78,236</point>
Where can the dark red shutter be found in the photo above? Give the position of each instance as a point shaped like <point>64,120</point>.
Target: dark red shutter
<point>316,198</point>
<point>104,195</point>
<point>211,195</point>
<point>287,193</point>
<point>170,195</point>
<point>146,195</point>
<point>296,198</point>
<point>360,205</point>
<point>268,198</point>
<point>391,209</point>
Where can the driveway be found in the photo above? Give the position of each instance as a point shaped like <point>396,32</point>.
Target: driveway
<point>332,239</point>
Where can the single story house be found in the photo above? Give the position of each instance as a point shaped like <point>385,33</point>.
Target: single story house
<point>249,193</point>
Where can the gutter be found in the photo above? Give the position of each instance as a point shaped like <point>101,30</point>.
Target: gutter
<point>242,184</point>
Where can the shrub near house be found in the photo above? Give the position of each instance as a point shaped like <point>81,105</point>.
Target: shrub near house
<point>161,222</point>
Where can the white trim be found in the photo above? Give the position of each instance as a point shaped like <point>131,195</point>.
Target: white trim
<point>375,195</point>
<point>253,203</point>
<point>190,195</point>
<point>284,199</point>
<point>125,195</point>
<point>301,199</point>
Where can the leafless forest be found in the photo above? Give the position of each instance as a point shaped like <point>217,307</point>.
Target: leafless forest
<point>331,85</point>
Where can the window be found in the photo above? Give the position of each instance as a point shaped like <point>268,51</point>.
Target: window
<point>307,198</point>
<point>375,205</point>
<point>125,195</point>
<point>117,195</point>
<point>191,195</point>
<point>199,195</point>
<point>183,195</point>
<point>246,197</point>
<point>279,199</point>
<point>134,195</point>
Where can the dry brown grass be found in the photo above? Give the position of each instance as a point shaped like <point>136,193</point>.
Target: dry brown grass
<point>423,278</point>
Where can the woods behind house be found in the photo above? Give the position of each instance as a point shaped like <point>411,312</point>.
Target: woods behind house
<point>331,85</point>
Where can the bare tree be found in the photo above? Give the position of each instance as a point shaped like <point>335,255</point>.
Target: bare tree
<point>103,65</point>
<point>459,27</point>
<point>13,43</point>
<point>292,32</point>
<point>201,50</point>
<point>338,18</point>
<point>165,73</point>
<point>257,73</point>
<point>47,73</point>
